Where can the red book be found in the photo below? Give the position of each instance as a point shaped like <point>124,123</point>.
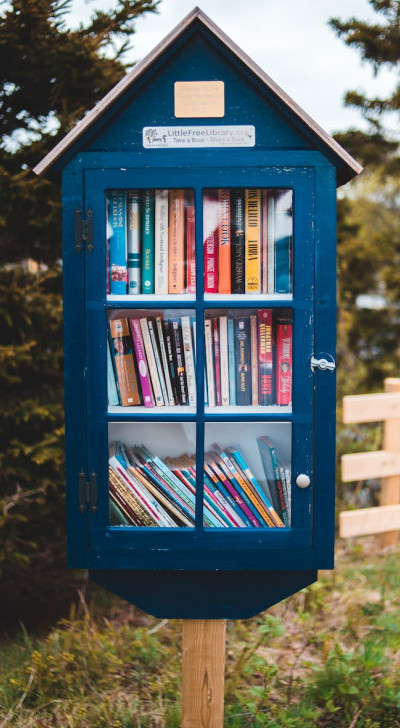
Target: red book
<point>217,362</point>
<point>224,241</point>
<point>210,227</point>
<point>190,246</point>
<point>284,345</point>
<point>265,357</point>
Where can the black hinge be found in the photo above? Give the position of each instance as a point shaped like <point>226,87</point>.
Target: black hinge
<point>87,491</point>
<point>83,231</point>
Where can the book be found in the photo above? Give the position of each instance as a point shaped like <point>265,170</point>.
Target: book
<point>242,360</point>
<point>217,361</point>
<point>147,224</point>
<point>238,241</point>
<point>112,392</point>
<point>122,353</point>
<point>116,240</point>
<point>176,242</point>
<point>224,241</point>
<point>164,359</point>
<point>254,359</point>
<point>283,240</point>
<point>271,243</point>
<point>161,242</point>
<point>284,343</point>
<point>151,323</point>
<point>265,357</point>
<point>133,241</point>
<point>260,499</point>
<point>210,231</point>
<point>141,361</point>
<point>231,362</point>
<point>179,355</point>
<point>253,240</point>
<point>209,362</point>
<point>272,473</point>
<point>190,243</point>
<point>264,241</point>
<point>189,359</point>
<point>151,363</point>
<point>172,365</point>
<point>224,363</point>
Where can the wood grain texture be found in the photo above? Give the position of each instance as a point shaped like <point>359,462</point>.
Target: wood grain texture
<point>366,521</point>
<point>203,673</point>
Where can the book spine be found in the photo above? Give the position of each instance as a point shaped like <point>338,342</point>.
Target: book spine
<point>229,487</point>
<point>223,351</point>
<point>112,390</point>
<point>164,360</point>
<point>271,243</point>
<point>264,242</point>
<point>241,487</point>
<point>210,226</point>
<point>116,229</point>
<point>283,235</point>
<point>189,359</point>
<point>284,342</point>
<point>253,240</point>
<point>265,357</point>
<point>141,360</point>
<point>238,242</point>
<point>242,359</point>
<point>121,350</point>
<point>160,371</point>
<point>176,244</point>
<point>272,516</point>
<point>208,336</point>
<point>231,363</point>
<point>148,242</point>
<point>254,360</point>
<point>214,483</point>
<point>151,363</point>
<point>190,244</point>
<point>180,360</point>
<point>170,350</point>
<point>217,361</point>
<point>161,242</point>
<point>224,241</point>
<point>278,481</point>
<point>133,242</point>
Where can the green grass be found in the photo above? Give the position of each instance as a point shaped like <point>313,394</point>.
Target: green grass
<point>326,657</point>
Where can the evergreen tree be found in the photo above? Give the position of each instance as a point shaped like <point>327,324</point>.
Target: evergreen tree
<point>49,76</point>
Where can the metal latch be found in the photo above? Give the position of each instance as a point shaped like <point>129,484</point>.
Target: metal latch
<point>323,363</point>
<point>87,491</point>
<point>83,231</point>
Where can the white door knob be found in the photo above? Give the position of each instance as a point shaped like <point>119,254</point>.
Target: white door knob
<point>303,481</point>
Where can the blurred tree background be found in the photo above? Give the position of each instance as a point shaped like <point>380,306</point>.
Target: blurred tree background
<point>50,75</point>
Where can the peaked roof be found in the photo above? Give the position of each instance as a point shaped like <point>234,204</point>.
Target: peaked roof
<point>345,160</point>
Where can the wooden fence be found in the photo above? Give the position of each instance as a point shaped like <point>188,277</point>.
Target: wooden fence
<point>383,464</point>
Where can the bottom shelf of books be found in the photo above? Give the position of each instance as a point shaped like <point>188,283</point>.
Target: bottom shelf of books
<point>245,479</point>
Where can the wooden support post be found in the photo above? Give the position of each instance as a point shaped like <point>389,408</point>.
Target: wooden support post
<point>390,489</point>
<point>203,673</point>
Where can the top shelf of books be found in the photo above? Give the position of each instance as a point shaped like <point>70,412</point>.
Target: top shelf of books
<point>246,247</point>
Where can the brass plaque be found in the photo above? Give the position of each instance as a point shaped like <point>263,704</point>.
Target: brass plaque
<point>199,99</point>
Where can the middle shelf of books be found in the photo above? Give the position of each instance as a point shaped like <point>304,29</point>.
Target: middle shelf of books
<point>247,356</point>
<point>244,474</point>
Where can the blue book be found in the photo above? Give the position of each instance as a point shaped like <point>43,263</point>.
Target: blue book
<point>113,398</point>
<point>283,239</point>
<point>148,241</point>
<point>116,240</point>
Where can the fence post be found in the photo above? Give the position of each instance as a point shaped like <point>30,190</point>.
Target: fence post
<point>203,673</point>
<point>390,488</point>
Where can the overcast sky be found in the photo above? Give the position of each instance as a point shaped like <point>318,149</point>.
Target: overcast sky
<point>289,39</point>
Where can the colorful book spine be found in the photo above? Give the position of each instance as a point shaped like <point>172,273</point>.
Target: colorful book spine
<point>133,241</point>
<point>172,366</point>
<point>231,362</point>
<point>176,244</point>
<point>217,361</point>
<point>190,244</point>
<point>112,391</point>
<point>189,359</point>
<point>151,363</point>
<point>161,242</point>
<point>238,242</point>
<point>141,361</point>
<point>265,357</point>
<point>284,374</point>
<point>224,360</point>
<point>116,240</point>
<point>254,359</point>
<point>253,240</point>
<point>264,242</point>
<point>164,359</point>
<point>210,227</point>
<point>270,515</point>
<point>160,370</point>
<point>121,350</point>
<point>209,351</point>
<point>224,241</point>
<point>277,482</point>
<point>283,237</point>
<point>180,360</point>
<point>271,243</point>
<point>147,221</point>
<point>243,360</point>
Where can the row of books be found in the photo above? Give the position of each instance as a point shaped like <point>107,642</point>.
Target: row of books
<point>150,241</point>
<point>247,241</point>
<point>248,360</point>
<point>146,490</point>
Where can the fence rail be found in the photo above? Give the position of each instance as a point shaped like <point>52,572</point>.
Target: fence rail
<point>383,464</point>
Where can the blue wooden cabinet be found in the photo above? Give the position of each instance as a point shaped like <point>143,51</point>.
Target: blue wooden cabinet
<point>197,116</point>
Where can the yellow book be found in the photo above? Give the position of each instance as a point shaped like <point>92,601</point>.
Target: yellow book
<point>253,241</point>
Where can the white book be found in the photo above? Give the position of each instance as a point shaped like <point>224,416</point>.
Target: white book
<point>223,355</point>
<point>151,363</point>
<point>189,359</point>
<point>161,242</point>
<point>208,335</point>
<point>271,245</point>
<point>133,242</point>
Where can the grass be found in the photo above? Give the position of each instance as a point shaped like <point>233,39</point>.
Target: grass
<point>327,657</point>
